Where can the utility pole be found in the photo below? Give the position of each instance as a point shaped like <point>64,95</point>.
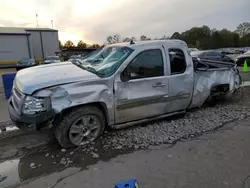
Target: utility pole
<point>52,24</point>
<point>37,21</point>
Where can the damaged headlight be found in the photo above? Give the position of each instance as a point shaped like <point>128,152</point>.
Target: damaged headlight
<point>33,105</point>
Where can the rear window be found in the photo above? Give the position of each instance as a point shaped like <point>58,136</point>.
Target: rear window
<point>177,61</point>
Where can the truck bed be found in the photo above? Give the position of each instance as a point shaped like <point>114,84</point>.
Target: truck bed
<point>211,64</point>
<point>210,75</point>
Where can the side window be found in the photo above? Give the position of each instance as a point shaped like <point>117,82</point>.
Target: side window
<point>213,54</point>
<point>177,61</point>
<point>147,64</point>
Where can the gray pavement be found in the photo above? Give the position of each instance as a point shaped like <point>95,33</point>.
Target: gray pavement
<point>217,160</point>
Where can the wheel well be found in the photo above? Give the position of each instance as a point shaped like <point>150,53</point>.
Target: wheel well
<point>219,89</point>
<point>101,105</point>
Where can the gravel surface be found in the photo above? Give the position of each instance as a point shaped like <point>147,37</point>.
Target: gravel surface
<point>194,123</point>
<point>8,129</point>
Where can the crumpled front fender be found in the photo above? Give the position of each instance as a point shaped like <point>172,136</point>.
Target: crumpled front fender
<point>66,96</point>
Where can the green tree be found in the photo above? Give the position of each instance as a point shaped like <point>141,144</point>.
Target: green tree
<point>81,44</point>
<point>127,39</point>
<point>176,35</point>
<point>243,29</point>
<point>216,40</point>
<point>204,37</point>
<point>245,40</point>
<point>110,39</point>
<point>95,46</point>
<point>197,36</point>
<point>133,38</point>
<point>116,38</point>
<point>68,44</point>
<point>227,38</point>
<point>143,37</point>
<point>60,45</point>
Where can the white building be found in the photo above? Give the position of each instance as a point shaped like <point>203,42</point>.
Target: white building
<point>19,43</point>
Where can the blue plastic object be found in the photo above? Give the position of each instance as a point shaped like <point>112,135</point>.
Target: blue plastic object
<point>8,83</point>
<point>132,183</point>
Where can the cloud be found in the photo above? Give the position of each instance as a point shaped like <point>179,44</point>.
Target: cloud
<point>93,21</point>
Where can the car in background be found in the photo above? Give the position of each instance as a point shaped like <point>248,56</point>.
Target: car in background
<point>74,60</point>
<point>242,58</point>
<point>51,59</point>
<point>75,57</point>
<point>193,50</point>
<point>25,63</point>
<point>212,55</point>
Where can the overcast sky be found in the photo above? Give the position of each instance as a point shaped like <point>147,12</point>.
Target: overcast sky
<point>93,20</point>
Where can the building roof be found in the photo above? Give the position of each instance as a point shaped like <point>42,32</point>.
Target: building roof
<point>13,30</point>
<point>21,31</point>
<point>39,29</point>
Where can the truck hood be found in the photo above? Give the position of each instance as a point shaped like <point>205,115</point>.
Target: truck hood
<point>32,79</point>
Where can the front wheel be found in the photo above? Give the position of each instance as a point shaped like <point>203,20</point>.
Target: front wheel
<point>80,126</point>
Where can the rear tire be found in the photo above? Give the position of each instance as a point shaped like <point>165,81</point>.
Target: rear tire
<point>63,131</point>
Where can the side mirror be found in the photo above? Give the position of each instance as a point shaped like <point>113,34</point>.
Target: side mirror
<point>125,76</point>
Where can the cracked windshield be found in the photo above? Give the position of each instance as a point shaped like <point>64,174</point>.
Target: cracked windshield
<point>124,94</point>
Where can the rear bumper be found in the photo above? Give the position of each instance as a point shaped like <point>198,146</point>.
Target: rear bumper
<point>25,120</point>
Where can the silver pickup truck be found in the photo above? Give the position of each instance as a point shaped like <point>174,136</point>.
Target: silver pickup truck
<point>121,85</point>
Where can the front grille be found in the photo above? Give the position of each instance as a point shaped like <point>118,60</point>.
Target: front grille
<point>17,98</point>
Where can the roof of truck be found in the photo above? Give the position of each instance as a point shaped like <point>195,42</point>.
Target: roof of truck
<point>139,44</point>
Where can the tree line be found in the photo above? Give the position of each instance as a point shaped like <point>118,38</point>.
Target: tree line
<point>80,43</point>
<point>196,37</point>
<point>202,37</point>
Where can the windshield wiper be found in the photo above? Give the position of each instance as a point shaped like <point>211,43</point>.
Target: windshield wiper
<point>91,69</point>
<point>93,60</point>
<point>78,64</point>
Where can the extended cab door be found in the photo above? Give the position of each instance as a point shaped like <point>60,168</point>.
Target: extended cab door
<point>181,78</point>
<point>143,94</point>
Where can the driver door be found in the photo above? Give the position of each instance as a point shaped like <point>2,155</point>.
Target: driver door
<point>144,94</point>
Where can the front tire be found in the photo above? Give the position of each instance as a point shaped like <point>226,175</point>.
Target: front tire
<point>80,126</point>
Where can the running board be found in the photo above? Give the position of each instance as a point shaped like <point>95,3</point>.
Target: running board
<point>132,123</point>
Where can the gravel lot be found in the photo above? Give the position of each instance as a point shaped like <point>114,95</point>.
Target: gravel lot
<point>192,124</point>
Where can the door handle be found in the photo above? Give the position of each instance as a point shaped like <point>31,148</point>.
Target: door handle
<point>158,84</point>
